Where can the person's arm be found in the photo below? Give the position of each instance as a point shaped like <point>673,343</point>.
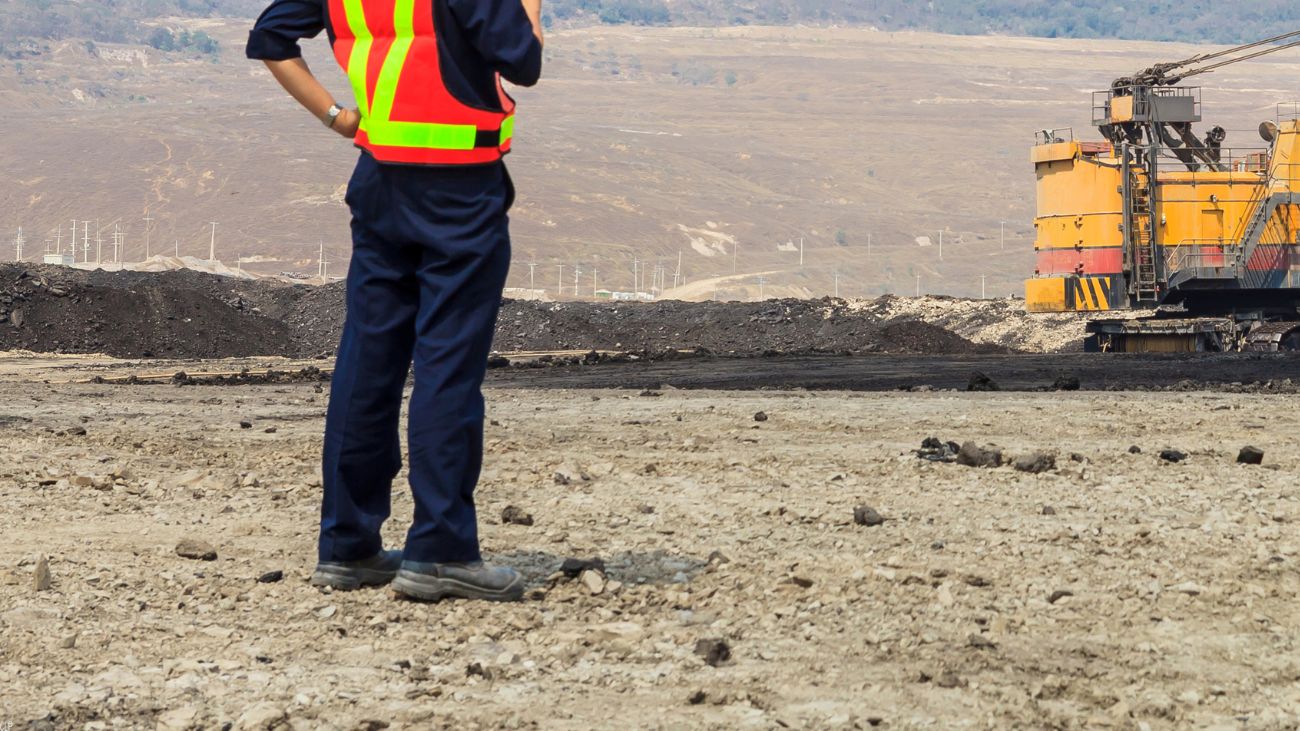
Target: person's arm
<point>506,33</point>
<point>533,9</point>
<point>274,41</point>
<point>303,86</point>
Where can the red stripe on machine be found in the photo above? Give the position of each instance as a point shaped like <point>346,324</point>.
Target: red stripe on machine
<point>1085,261</point>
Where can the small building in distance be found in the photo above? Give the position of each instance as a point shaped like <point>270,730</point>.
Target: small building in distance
<point>66,260</point>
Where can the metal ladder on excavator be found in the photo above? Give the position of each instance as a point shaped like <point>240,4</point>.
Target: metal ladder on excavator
<point>1146,276</point>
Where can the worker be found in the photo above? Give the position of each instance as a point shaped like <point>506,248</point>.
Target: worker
<point>430,251</point>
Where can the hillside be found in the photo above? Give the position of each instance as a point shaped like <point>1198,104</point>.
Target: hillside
<point>724,148</point>
<point>26,26</point>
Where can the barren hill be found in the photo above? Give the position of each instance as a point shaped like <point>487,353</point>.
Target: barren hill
<point>726,147</point>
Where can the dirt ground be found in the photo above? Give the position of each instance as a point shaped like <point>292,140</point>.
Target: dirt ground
<point>1119,591</point>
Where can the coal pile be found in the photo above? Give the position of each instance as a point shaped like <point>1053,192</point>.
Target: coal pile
<point>721,328</point>
<point>187,314</point>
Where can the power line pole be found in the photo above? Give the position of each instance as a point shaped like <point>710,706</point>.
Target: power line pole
<point>868,246</point>
<point>594,271</point>
<point>735,253</point>
<point>837,282</point>
<point>178,247</point>
<point>99,246</point>
<point>85,242</point>
<point>212,247</point>
<point>320,261</point>
<point>148,229</point>
<point>560,292</point>
<point>1003,246</point>
<point>58,239</point>
<point>677,275</point>
<point>577,272</point>
<point>18,245</point>
<point>636,277</point>
<point>940,245</point>
<point>918,285</point>
<point>801,252</point>
<point>983,279</point>
<point>532,275</point>
<point>119,243</point>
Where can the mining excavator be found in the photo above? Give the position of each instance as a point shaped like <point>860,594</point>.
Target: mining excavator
<point>1196,241</point>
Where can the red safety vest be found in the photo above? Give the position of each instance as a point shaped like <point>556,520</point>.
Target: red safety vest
<point>390,52</point>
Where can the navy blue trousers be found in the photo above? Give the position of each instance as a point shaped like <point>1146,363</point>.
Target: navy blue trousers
<point>431,250</point>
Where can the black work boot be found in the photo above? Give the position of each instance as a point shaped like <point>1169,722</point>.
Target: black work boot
<point>377,570</point>
<point>434,581</point>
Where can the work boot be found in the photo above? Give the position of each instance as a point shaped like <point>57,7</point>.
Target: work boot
<point>431,582</point>
<point>377,570</point>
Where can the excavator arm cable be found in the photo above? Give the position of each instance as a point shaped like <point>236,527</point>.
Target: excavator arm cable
<point>1229,62</point>
<point>1211,56</point>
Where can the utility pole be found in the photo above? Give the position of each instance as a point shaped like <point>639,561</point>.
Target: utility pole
<point>58,240</point>
<point>85,242</point>
<point>178,247</point>
<point>636,277</point>
<point>532,275</point>
<point>212,247</point>
<point>18,244</point>
<point>801,252</point>
<point>868,246</point>
<point>148,227</point>
<point>1003,246</point>
<point>735,252</point>
<point>837,282</point>
<point>320,261</point>
<point>99,246</point>
<point>595,286</point>
<point>761,281</point>
<point>983,280</point>
<point>940,245</point>
<point>71,242</point>
<point>577,272</point>
<point>677,275</point>
<point>918,285</point>
<point>560,291</point>
<point>119,242</point>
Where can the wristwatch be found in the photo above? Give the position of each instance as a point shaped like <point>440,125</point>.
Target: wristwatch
<point>332,115</point>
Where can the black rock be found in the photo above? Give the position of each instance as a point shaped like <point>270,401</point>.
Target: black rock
<point>573,567</point>
<point>1036,463</point>
<point>760,416</point>
<point>271,577</point>
<point>1172,455</point>
<point>77,431</point>
<point>972,455</point>
<point>981,382</point>
<point>864,515</point>
<point>1058,595</point>
<point>1251,456</point>
<point>714,652</point>
<point>245,425</point>
<point>1048,510</point>
<point>515,516</point>
<point>1135,449</point>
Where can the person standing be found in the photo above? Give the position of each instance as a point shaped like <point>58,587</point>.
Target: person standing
<point>431,248</point>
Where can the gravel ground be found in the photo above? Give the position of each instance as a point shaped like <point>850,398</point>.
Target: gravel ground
<point>1122,591</point>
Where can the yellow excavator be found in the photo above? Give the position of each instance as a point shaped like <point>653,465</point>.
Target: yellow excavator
<point>1195,238</point>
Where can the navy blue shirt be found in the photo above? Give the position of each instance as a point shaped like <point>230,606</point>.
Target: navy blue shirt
<point>476,40</point>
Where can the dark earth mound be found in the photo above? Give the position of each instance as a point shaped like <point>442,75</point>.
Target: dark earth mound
<point>187,314</point>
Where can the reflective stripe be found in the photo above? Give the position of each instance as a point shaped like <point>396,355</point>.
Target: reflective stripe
<point>376,119</point>
<point>507,129</point>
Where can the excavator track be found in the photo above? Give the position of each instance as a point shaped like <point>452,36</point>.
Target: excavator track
<point>1272,337</point>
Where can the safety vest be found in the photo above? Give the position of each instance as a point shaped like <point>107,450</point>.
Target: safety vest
<point>389,49</point>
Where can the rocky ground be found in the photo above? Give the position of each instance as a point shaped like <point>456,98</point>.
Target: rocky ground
<point>742,585</point>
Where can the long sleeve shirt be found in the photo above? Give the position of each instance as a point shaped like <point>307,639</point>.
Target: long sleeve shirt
<point>476,40</point>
